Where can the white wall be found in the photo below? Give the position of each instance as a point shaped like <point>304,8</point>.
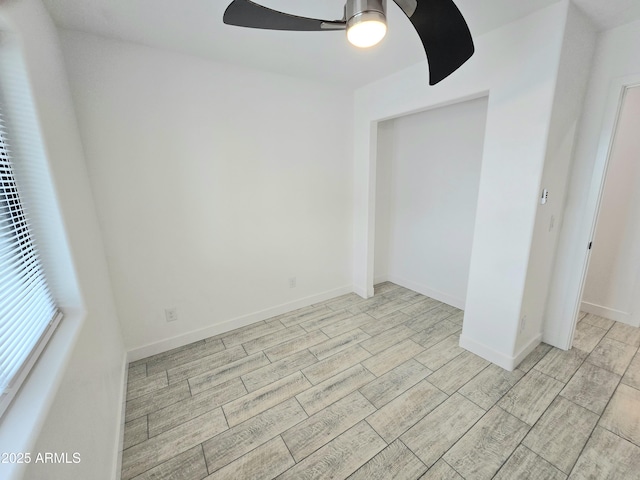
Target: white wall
<point>72,400</point>
<point>575,62</point>
<point>616,63</point>
<point>518,65</point>
<point>428,176</point>
<point>614,270</point>
<point>385,149</point>
<point>214,185</point>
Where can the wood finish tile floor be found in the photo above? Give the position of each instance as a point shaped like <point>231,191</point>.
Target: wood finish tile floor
<point>380,389</point>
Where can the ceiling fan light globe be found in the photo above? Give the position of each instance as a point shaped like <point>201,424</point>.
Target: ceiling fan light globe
<point>366,29</point>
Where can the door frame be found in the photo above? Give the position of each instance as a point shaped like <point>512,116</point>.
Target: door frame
<point>615,101</point>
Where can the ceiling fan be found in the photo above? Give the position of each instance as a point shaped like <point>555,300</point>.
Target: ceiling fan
<point>440,26</point>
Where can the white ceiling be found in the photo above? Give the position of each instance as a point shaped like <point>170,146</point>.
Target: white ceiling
<point>607,14</point>
<point>195,27</point>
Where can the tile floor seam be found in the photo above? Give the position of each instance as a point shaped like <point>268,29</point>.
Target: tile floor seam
<point>545,412</point>
<point>151,468</point>
<point>608,401</point>
<point>599,415</point>
<point>257,446</point>
<point>325,444</point>
<point>367,368</point>
<point>530,428</point>
<point>226,420</point>
<point>308,416</point>
<point>547,407</point>
<point>409,448</point>
<point>628,365</point>
<point>583,446</point>
<point>369,351</point>
<point>596,413</point>
<point>151,391</point>
<point>366,419</point>
<point>435,386</point>
<point>295,462</point>
<point>581,450</point>
<point>206,465</point>
<point>307,379</point>
<point>479,406</point>
<point>414,423</point>
<point>396,396</point>
<point>512,453</point>
<point>533,452</point>
<point>586,360</point>
<point>245,385</point>
<point>441,457</point>
<point>235,459</point>
<point>190,392</point>
<point>557,395</point>
<point>292,466</point>
<point>608,430</point>
<point>450,466</point>
<point>335,401</point>
<point>470,380</point>
<point>177,426</point>
<point>303,409</point>
<point>277,344</point>
<point>612,394</point>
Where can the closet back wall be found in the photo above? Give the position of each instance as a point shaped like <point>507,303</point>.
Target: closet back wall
<point>428,174</point>
<point>214,185</point>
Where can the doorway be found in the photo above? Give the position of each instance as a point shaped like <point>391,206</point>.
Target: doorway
<point>611,285</point>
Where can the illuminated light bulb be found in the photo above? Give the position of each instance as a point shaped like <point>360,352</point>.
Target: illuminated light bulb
<point>366,29</point>
<point>366,22</point>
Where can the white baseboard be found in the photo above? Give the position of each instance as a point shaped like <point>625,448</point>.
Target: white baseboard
<point>505,361</point>
<point>361,291</point>
<point>121,417</point>
<point>381,279</point>
<point>425,290</point>
<point>610,313</point>
<point>145,351</point>
<point>527,349</point>
<point>487,353</point>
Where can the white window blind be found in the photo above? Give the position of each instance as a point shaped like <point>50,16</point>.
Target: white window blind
<point>28,314</point>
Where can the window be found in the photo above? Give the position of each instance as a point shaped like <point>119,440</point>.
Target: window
<point>28,314</point>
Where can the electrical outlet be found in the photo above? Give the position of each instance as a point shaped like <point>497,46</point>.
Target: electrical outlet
<point>523,323</point>
<point>292,282</point>
<point>171,314</point>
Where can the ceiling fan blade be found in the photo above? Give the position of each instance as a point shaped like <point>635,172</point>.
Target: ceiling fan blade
<point>244,13</point>
<point>444,33</point>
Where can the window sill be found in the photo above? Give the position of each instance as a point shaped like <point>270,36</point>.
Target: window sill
<point>21,423</point>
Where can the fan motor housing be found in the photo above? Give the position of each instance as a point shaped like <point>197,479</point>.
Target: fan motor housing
<point>355,8</point>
